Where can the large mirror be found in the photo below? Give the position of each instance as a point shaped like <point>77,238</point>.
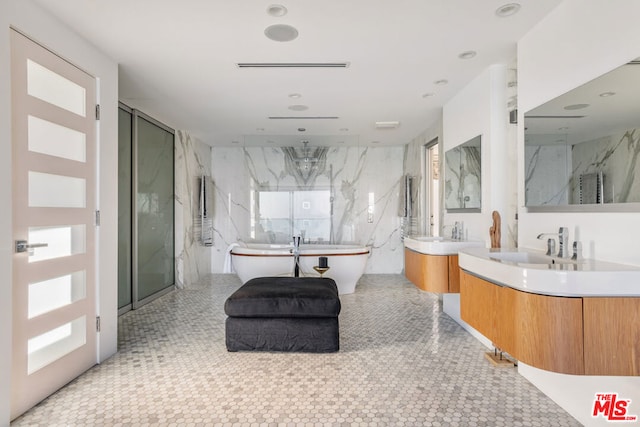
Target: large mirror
<point>582,148</point>
<point>463,172</point>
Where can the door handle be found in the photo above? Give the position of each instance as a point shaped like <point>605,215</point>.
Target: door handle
<point>24,246</point>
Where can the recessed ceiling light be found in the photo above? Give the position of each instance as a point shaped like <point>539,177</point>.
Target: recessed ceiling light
<point>295,95</point>
<point>467,54</point>
<point>276,10</point>
<point>606,94</point>
<point>576,106</point>
<point>508,9</point>
<point>298,107</point>
<point>344,130</point>
<point>301,129</point>
<point>428,95</point>
<point>441,82</point>
<point>281,32</point>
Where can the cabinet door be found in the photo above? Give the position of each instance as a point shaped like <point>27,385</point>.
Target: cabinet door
<point>612,336</point>
<point>414,268</point>
<point>549,333</point>
<point>478,304</point>
<point>454,274</point>
<point>436,270</point>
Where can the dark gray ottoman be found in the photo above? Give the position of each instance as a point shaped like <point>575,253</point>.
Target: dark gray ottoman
<point>284,314</point>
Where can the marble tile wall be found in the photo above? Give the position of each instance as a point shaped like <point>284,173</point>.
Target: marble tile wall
<point>553,171</point>
<point>192,160</point>
<point>349,173</point>
<point>463,177</point>
<point>616,156</point>
<point>546,174</point>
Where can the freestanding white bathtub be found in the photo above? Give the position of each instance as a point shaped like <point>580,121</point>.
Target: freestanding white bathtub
<point>346,262</point>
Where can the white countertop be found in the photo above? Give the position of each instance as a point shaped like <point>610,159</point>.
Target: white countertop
<point>432,245</point>
<point>532,271</point>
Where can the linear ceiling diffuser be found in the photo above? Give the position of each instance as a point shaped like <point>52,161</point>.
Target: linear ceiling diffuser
<point>303,117</point>
<point>292,64</point>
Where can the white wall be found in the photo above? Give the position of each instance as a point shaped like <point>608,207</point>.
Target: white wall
<point>481,109</point>
<point>30,19</point>
<point>572,45</point>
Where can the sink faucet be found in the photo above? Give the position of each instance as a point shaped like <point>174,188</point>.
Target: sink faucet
<point>563,241</point>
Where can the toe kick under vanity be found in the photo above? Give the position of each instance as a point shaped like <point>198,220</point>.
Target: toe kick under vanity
<point>431,263</point>
<point>555,314</point>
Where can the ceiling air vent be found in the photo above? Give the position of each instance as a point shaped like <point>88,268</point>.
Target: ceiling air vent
<point>554,117</point>
<point>292,64</point>
<point>303,117</point>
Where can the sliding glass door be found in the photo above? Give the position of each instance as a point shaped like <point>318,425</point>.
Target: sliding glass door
<point>146,241</point>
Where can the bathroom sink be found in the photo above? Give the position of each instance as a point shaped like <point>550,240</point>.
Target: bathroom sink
<point>533,271</point>
<point>435,245</point>
<point>522,257</point>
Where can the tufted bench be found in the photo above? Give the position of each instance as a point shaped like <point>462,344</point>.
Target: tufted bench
<point>284,314</point>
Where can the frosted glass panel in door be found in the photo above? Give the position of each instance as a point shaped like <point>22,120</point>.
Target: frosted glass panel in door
<point>56,191</point>
<point>51,87</point>
<point>62,241</point>
<point>56,140</point>
<point>54,293</point>
<point>155,204</point>
<point>52,345</point>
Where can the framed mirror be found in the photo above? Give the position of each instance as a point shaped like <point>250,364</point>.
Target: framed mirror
<point>582,148</point>
<point>463,172</point>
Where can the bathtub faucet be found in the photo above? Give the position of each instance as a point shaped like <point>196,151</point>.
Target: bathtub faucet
<point>296,256</point>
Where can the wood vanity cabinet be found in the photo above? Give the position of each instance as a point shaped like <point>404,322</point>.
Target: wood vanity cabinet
<point>611,336</point>
<point>432,273</point>
<point>539,330</point>
<point>569,335</point>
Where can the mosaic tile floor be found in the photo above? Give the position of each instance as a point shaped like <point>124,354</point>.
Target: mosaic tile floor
<point>402,363</point>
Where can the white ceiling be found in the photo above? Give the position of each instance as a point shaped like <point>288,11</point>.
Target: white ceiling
<point>178,62</point>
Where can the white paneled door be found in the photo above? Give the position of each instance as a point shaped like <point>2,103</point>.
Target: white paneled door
<point>54,222</point>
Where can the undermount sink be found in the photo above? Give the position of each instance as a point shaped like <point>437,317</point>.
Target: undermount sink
<point>528,258</point>
<point>436,245</point>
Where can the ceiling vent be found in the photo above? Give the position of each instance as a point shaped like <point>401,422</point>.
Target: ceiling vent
<point>292,64</point>
<point>303,117</point>
<point>387,125</point>
<point>554,117</point>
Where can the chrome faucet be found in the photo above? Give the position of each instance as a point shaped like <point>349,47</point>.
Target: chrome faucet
<point>563,242</point>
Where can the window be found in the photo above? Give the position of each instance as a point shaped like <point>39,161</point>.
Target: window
<point>279,215</point>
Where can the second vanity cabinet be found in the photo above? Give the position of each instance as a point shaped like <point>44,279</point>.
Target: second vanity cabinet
<point>432,273</point>
<point>570,335</point>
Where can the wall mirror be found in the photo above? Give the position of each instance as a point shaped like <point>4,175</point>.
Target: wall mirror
<point>463,191</point>
<point>582,148</point>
